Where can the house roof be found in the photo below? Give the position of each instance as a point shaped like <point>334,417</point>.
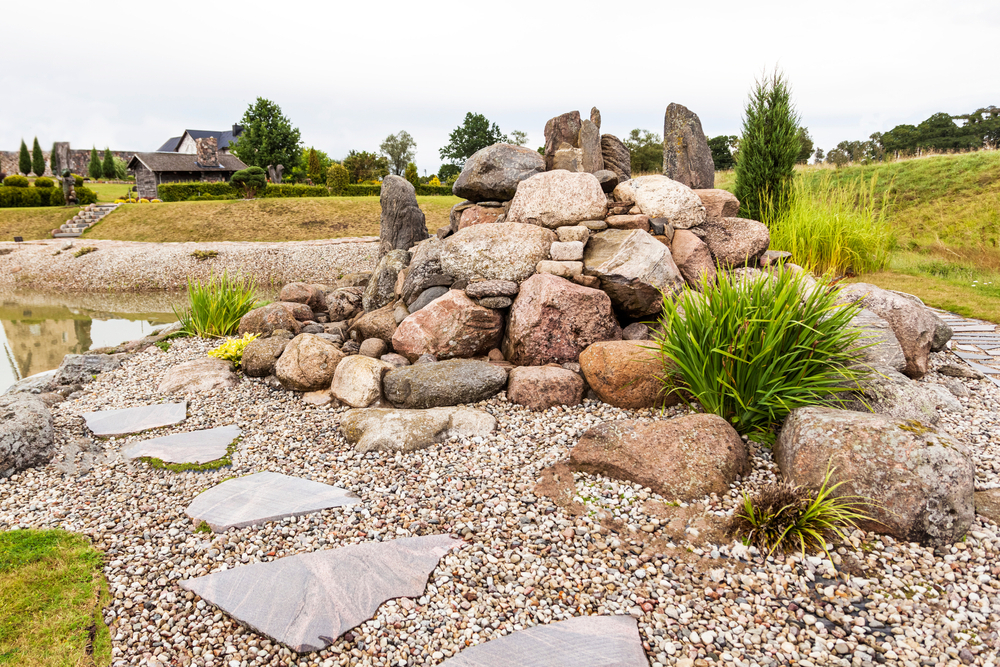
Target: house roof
<point>163,161</point>
<point>225,137</point>
<point>170,146</point>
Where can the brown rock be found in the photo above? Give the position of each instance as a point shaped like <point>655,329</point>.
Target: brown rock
<point>553,320</point>
<point>307,364</point>
<point>299,311</point>
<point>685,458</point>
<point>734,242</point>
<point>595,117</point>
<point>374,348</point>
<point>626,374</point>
<point>693,258</point>
<point>379,324</point>
<point>542,387</point>
<point>559,130</point>
<point>686,155</point>
<point>719,203</point>
<point>450,326</point>
<point>344,303</point>
<point>628,222</point>
<point>479,215</point>
<point>261,354</point>
<point>311,295</point>
<point>590,145</point>
<point>199,375</point>
<point>357,381</point>
<point>267,318</point>
<point>616,157</point>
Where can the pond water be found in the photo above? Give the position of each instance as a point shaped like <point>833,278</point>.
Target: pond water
<point>38,329</point>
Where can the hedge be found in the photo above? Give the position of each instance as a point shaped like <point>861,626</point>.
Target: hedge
<point>435,190</point>
<point>359,190</point>
<point>187,191</point>
<point>184,191</point>
<point>286,190</point>
<point>32,197</point>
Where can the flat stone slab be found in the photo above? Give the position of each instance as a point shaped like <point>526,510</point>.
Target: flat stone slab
<point>307,601</point>
<point>189,447</point>
<point>106,423</point>
<point>965,328</point>
<point>585,641</point>
<point>263,497</point>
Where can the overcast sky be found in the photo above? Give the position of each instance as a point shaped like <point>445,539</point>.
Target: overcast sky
<point>130,74</point>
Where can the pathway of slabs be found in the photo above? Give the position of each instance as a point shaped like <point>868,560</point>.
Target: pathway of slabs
<point>975,342</point>
<point>106,423</point>
<point>188,447</point>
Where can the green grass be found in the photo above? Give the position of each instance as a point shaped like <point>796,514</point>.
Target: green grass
<point>226,460</point>
<point>216,306</point>
<point>108,192</point>
<point>52,591</point>
<point>33,223</point>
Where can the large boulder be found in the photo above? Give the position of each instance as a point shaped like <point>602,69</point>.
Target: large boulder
<point>913,323</point>
<point>718,203</point>
<point>450,326</point>
<point>381,289</point>
<point>693,258</point>
<point>558,198</point>
<point>311,295</point>
<point>307,364</point>
<point>888,392</point>
<point>81,368</point>
<point>590,146</point>
<point>542,387</point>
<point>480,215</point>
<point>563,129</point>
<point>300,311</point>
<point>686,458</point>
<point>357,381</point>
<point>626,374</point>
<point>660,197</point>
<point>881,347</point>
<point>687,158</point>
<point>344,303</point>
<point>917,482</point>
<point>553,320</point>
<point>443,383</point>
<point>27,438</point>
<point>494,172</point>
<point>402,222</point>
<point>197,376</point>
<point>616,157</point>
<point>734,241</point>
<point>267,319</point>
<point>424,270</point>
<point>379,324</point>
<point>387,430</point>
<point>635,270</point>
<point>261,354</point>
<point>496,252</point>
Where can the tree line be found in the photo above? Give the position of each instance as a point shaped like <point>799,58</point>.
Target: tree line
<point>33,162</point>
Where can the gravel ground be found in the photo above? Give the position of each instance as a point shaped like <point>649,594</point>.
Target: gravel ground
<point>123,266</point>
<point>541,544</point>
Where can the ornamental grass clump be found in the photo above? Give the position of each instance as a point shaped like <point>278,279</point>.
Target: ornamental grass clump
<point>752,349</point>
<point>216,306</point>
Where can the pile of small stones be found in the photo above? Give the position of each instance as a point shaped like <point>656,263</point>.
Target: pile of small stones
<point>529,557</point>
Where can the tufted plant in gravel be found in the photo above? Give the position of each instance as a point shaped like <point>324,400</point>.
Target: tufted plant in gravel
<point>216,306</point>
<point>751,347</point>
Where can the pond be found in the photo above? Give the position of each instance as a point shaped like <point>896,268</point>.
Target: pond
<point>37,329</point>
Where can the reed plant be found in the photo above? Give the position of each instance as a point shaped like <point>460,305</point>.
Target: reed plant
<point>216,306</point>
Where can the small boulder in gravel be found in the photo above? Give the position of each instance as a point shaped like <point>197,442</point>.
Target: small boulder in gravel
<point>27,438</point>
<point>387,430</point>
<point>81,368</point>
<point>307,364</point>
<point>960,371</point>
<point>542,387</point>
<point>917,481</point>
<point>311,295</point>
<point>685,458</point>
<point>624,374</point>
<point>198,375</point>
<point>443,383</point>
<point>266,319</point>
<point>357,381</point>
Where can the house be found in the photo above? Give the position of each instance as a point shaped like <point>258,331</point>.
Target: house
<point>186,143</point>
<point>207,164</point>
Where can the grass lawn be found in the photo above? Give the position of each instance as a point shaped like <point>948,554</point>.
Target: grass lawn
<point>287,219</point>
<point>33,223</point>
<point>52,590</point>
<point>108,192</point>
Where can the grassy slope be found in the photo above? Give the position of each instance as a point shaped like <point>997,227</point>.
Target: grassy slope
<point>292,219</point>
<point>32,223</point>
<point>52,590</point>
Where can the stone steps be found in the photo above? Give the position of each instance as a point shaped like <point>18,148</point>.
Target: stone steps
<point>87,217</point>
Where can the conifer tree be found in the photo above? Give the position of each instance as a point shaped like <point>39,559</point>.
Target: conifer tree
<point>94,168</point>
<point>54,162</point>
<point>108,167</point>
<point>24,160</point>
<point>37,159</point>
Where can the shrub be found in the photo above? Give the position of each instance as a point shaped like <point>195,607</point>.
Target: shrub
<point>94,168</point>
<point>210,197</point>
<point>85,196</point>
<point>44,182</point>
<point>45,196</point>
<point>19,197</point>
<point>121,169</point>
<point>202,255</point>
<point>185,191</point>
<point>411,174</point>
<point>85,251</point>
<point>361,190</point>
<point>232,349</point>
<point>434,182</point>
<point>37,159</point>
<point>24,160</point>
<point>77,180</point>
<point>434,190</point>
<point>16,181</point>
<point>337,178</point>
<point>216,306</point>
<point>250,181</point>
<point>751,350</point>
<point>295,190</point>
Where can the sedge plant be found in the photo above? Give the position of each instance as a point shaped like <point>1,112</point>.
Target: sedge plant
<point>751,350</point>
<point>216,306</point>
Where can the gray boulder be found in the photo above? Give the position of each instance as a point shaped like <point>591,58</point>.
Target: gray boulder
<point>381,290</point>
<point>616,157</point>
<point>660,197</point>
<point>39,383</point>
<point>686,155</point>
<point>424,270</point>
<point>590,146</point>
<point>634,268</point>
<point>197,376</point>
<point>381,429</point>
<point>888,392</point>
<point>425,298</point>
<point>883,349</point>
<point>559,198</point>
<point>496,252</point>
<point>443,383</point>
<point>734,242</point>
<point>82,368</point>
<point>261,354</point>
<point>27,438</point>
<point>402,222</point>
<point>494,172</point>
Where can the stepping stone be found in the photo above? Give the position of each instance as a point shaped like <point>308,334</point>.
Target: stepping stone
<point>106,423</point>
<point>307,601</point>
<point>971,357</point>
<point>986,370</point>
<point>965,328</point>
<point>585,641</point>
<point>263,497</point>
<point>190,447</point>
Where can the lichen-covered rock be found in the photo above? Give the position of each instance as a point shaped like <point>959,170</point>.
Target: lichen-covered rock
<point>881,347</point>
<point>381,289</point>
<point>261,354</point>
<point>494,172</point>
<point>590,146</point>
<point>443,383</point>
<point>496,252</point>
<point>542,387</point>
<point>307,364</point>
<point>424,270</point>
<point>27,438</point>
<point>267,319</point>
<point>379,324</point>
<point>734,242</point>
<point>917,481</point>
<point>634,268</point>
<point>557,198</point>
<point>402,223</point>
<point>660,197</point>
<point>450,326</point>
<point>687,158</point>
<point>625,374</point>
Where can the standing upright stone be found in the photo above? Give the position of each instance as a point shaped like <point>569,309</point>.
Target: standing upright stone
<point>590,146</point>
<point>559,130</point>
<point>616,157</point>
<point>402,225</point>
<point>595,117</point>
<point>687,158</point>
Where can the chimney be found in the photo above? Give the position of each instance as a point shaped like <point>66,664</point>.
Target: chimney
<point>208,151</point>
<point>237,130</point>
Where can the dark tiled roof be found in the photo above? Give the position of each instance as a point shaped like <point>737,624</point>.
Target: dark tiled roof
<point>183,162</point>
<point>170,146</point>
<point>225,137</point>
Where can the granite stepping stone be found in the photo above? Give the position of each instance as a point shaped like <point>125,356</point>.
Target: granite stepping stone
<point>585,641</point>
<point>307,601</point>
<point>106,423</point>
<point>188,447</point>
<point>263,497</point>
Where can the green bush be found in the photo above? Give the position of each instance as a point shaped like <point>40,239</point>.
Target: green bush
<point>37,159</point>
<point>44,182</point>
<point>337,178</point>
<point>77,180</point>
<point>19,197</point>
<point>361,190</point>
<point>232,349</point>
<point>185,191</point>
<point>24,160</point>
<point>45,196</point>
<point>94,168</point>
<point>752,350</point>
<point>85,196</point>
<point>16,181</point>
<point>210,197</point>
<point>290,190</point>
<point>434,190</point>
<point>216,306</point>
<point>249,181</point>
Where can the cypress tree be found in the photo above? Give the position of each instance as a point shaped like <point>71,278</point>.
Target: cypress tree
<point>24,160</point>
<point>94,168</point>
<point>54,162</point>
<point>768,150</point>
<point>37,159</point>
<point>108,168</point>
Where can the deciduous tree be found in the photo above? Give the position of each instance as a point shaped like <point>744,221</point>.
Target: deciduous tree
<point>518,138</point>
<point>411,174</point>
<point>646,149</point>
<point>722,154</point>
<point>364,166</point>
<point>268,138</point>
<point>475,133</point>
<point>806,145</point>
<point>399,149</point>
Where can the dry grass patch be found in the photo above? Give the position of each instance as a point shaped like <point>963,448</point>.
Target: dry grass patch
<point>33,223</point>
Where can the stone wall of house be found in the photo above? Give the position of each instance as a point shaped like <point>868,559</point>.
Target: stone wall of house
<point>145,181</point>
<point>80,160</point>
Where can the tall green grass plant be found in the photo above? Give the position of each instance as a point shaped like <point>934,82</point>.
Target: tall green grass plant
<point>216,306</point>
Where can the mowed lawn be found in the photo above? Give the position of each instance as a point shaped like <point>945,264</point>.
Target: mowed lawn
<point>33,223</point>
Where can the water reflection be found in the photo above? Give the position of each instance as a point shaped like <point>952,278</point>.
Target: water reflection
<point>38,329</point>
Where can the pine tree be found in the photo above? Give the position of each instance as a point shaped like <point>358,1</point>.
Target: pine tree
<point>94,168</point>
<point>37,159</point>
<point>769,148</point>
<point>54,162</point>
<point>108,167</point>
<point>24,160</point>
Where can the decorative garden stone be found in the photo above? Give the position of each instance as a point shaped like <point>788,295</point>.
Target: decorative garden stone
<point>27,438</point>
<point>496,252</point>
<point>660,197</point>
<point>635,269</point>
<point>451,326</point>
<point>106,423</point>
<point>558,198</point>
<point>686,155</point>
<point>387,430</point>
<point>402,223</point>
<point>189,447</point>
<point>443,383</point>
<point>494,172</point>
